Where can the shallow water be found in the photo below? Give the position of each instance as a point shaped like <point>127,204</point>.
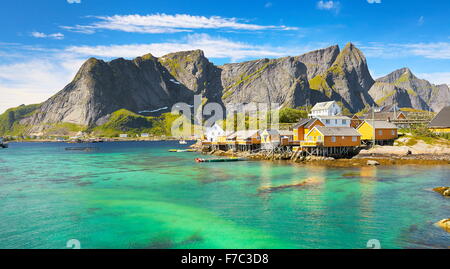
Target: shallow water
<point>138,195</point>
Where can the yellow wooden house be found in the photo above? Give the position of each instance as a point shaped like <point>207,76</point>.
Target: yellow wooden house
<point>441,123</point>
<point>383,130</point>
<point>303,127</point>
<point>332,137</point>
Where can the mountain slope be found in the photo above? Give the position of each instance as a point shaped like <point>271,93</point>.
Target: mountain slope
<point>100,88</point>
<point>405,89</point>
<point>347,80</point>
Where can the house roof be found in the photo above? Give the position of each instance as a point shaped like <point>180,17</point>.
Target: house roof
<point>247,133</point>
<point>323,105</point>
<point>337,131</point>
<point>271,132</point>
<point>442,119</point>
<point>381,124</point>
<point>305,123</point>
<point>333,118</point>
<point>384,115</point>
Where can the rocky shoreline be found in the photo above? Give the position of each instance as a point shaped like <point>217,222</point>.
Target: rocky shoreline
<point>364,158</point>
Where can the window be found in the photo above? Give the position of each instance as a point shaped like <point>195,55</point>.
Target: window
<point>344,122</point>
<point>380,132</point>
<point>327,121</point>
<point>319,138</point>
<point>343,137</point>
<point>310,138</point>
<point>335,121</point>
<point>354,138</point>
<point>393,132</point>
<point>333,139</point>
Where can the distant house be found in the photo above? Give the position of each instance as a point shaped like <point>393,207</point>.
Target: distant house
<point>335,121</point>
<point>123,135</point>
<point>286,137</point>
<point>248,136</point>
<point>386,116</point>
<point>441,123</point>
<point>145,135</point>
<point>332,137</point>
<point>383,130</point>
<point>300,129</point>
<point>270,139</point>
<point>326,109</point>
<point>212,133</point>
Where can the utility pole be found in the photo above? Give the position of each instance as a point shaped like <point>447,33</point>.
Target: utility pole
<point>373,125</point>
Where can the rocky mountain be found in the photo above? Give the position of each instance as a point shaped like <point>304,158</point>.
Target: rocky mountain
<point>149,83</point>
<point>347,80</point>
<point>100,88</point>
<point>405,89</point>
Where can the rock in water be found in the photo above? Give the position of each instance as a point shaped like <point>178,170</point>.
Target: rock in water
<point>445,191</point>
<point>444,224</point>
<point>371,162</point>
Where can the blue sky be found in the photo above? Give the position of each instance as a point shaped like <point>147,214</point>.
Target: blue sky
<point>44,42</point>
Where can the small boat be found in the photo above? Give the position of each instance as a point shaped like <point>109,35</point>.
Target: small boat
<point>181,150</point>
<point>232,159</point>
<point>3,144</point>
<point>182,142</point>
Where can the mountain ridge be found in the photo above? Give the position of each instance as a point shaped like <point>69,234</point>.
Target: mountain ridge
<point>149,83</point>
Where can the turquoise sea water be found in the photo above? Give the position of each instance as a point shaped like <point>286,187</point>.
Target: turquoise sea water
<point>138,195</point>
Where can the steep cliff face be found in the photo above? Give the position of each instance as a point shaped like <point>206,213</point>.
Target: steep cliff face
<point>100,88</point>
<point>264,81</point>
<point>317,62</point>
<point>405,89</point>
<point>196,72</point>
<point>347,80</point>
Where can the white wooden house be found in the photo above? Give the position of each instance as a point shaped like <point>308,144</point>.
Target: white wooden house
<point>325,109</point>
<point>212,133</point>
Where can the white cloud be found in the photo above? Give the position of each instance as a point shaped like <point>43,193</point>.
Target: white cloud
<point>43,35</point>
<point>74,1</point>
<point>218,48</point>
<point>421,20</point>
<point>268,4</point>
<point>329,5</point>
<point>374,1</point>
<point>436,50</point>
<point>34,81</point>
<point>436,78</point>
<point>163,23</point>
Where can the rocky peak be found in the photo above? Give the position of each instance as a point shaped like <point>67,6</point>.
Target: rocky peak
<point>191,68</point>
<point>319,61</point>
<point>398,76</point>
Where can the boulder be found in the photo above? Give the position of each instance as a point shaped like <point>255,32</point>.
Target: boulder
<point>445,191</point>
<point>372,162</point>
<point>444,224</point>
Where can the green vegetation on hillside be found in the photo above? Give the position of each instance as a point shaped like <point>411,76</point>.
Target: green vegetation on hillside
<point>126,122</point>
<point>291,115</point>
<point>319,83</point>
<point>10,120</point>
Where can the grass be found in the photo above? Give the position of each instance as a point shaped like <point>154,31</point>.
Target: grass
<point>10,120</point>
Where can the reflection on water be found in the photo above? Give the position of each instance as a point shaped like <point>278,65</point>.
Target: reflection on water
<point>138,195</point>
